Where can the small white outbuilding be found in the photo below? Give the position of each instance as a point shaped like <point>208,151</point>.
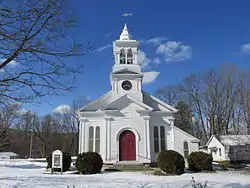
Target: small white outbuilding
<point>229,147</point>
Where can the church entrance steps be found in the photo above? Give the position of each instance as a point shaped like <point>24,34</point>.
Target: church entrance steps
<point>128,166</point>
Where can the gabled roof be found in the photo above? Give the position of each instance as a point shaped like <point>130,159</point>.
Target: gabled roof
<point>231,140</point>
<point>189,135</point>
<point>96,104</point>
<point>148,102</point>
<point>210,139</point>
<point>147,98</point>
<point>146,107</point>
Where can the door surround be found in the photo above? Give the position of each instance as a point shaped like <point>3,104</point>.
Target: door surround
<point>127,146</point>
<point>137,139</point>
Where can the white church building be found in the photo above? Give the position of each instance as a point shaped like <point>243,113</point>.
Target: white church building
<point>128,124</point>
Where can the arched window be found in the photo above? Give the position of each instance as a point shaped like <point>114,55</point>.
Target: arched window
<point>162,138</point>
<point>185,149</point>
<point>130,57</point>
<point>122,57</point>
<point>97,139</point>
<point>91,138</point>
<point>156,139</point>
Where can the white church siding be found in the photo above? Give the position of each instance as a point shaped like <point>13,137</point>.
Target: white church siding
<point>127,114</point>
<point>134,122</point>
<point>158,120</point>
<point>181,137</point>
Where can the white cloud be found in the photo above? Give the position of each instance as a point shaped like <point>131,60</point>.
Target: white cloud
<point>62,109</point>
<point>156,40</point>
<point>157,60</point>
<point>103,48</point>
<point>143,60</point>
<point>150,77</point>
<point>245,48</point>
<point>174,51</point>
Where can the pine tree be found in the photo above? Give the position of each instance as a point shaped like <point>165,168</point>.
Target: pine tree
<point>183,117</point>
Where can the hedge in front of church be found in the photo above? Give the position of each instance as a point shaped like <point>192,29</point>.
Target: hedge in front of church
<point>89,163</point>
<point>171,162</point>
<point>66,162</point>
<point>200,161</point>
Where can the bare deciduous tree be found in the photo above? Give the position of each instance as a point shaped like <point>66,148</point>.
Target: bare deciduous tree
<point>218,99</point>
<point>8,119</point>
<point>34,45</point>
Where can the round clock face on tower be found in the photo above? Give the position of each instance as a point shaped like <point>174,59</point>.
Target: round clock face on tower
<point>126,85</point>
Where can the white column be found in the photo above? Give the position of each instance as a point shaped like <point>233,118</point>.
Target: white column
<point>116,85</point>
<point>80,138</point>
<point>135,58</point>
<point>85,137</point>
<point>172,132</point>
<point>117,57</point>
<point>139,84</point>
<point>108,138</point>
<point>147,137</point>
<point>126,55</point>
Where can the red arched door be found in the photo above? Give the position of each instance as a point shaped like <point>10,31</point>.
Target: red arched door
<point>127,149</point>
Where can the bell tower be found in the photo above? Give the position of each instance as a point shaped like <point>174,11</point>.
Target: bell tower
<point>126,76</point>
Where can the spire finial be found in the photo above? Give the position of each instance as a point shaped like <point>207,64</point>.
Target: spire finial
<point>125,27</point>
<point>125,35</point>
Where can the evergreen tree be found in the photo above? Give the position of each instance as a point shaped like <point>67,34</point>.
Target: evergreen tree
<point>183,117</point>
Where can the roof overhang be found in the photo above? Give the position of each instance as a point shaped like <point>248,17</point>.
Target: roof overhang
<point>146,107</point>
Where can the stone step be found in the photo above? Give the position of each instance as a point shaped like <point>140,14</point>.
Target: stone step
<point>130,166</point>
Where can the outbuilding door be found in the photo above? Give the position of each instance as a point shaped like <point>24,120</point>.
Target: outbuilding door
<point>127,149</point>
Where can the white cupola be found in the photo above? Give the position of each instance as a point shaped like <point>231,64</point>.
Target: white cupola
<point>125,35</point>
<point>126,76</point>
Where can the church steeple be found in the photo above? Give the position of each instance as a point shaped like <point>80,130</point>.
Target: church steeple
<point>125,35</point>
<point>126,51</point>
<point>126,76</point>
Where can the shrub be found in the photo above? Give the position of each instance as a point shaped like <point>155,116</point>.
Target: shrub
<point>200,161</point>
<point>89,163</point>
<point>225,164</point>
<point>171,162</point>
<point>66,162</point>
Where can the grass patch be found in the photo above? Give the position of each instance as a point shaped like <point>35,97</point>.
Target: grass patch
<point>159,173</point>
<point>208,171</point>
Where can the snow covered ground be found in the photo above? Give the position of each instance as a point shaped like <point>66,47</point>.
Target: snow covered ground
<point>26,174</point>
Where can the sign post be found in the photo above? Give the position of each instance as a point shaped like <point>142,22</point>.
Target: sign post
<point>57,160</point>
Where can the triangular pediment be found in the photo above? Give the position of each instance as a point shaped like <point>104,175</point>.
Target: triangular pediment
<point>125,71</point>
<point>123,102</point>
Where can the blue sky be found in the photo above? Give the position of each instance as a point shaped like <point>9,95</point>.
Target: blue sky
<point>177,38</point>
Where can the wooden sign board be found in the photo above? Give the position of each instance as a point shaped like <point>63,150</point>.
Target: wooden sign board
<point>57,160</point>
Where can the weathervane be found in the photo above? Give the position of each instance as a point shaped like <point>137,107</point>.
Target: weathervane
<point>126,15</point>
